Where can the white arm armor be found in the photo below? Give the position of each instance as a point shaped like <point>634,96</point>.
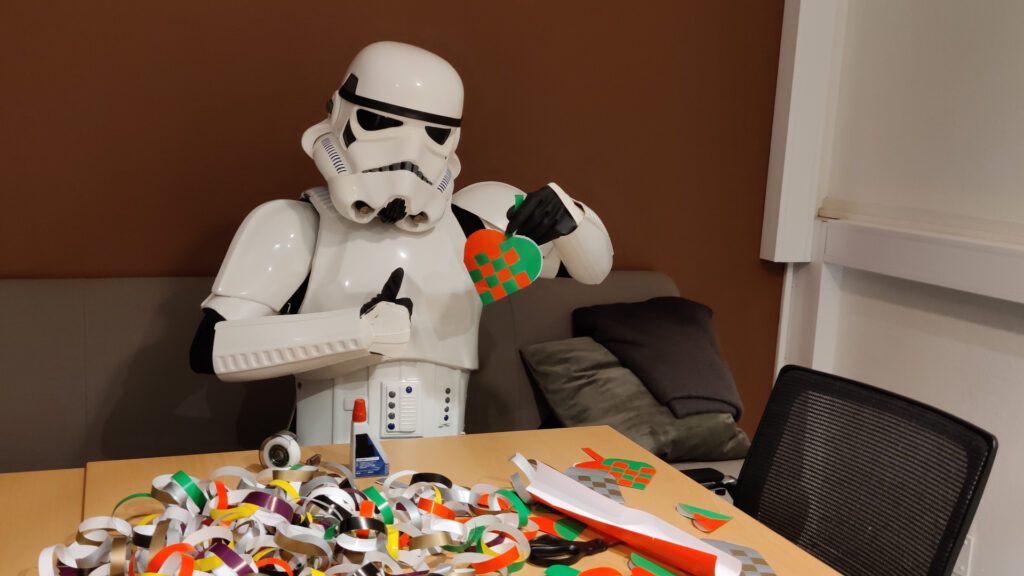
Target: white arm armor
<point>272,346</point>
<point>267,261</point>
<point>586,252</point>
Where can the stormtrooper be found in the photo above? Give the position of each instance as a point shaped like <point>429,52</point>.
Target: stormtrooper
<point>359,288</point>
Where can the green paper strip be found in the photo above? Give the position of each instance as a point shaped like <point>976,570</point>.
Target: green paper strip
<point>517,504</point>
<point>471,540</point>
<point>649,566</point>
<point>542,509</point>
<point>569,528</point>
<point>705,513</point>
<point>519,201</point>
<point>329,534</point>
<point>382,504</point>
<point>191,489</point>
<point>130,497</point>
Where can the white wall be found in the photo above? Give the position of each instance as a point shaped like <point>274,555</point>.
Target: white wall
<point>960,352</point>
<point>929,122</point>
<point>924,132</point>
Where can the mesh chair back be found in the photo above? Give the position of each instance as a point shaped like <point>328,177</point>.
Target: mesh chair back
<point>868,481</point>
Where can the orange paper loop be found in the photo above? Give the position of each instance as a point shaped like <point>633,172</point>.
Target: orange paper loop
<point>431,507</point>
<point>498,562</point>
<point>160,557</point>
<point>222,495</point>
<point>276,562</point>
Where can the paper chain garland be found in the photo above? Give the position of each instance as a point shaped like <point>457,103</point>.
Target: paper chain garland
<point>305,521</point>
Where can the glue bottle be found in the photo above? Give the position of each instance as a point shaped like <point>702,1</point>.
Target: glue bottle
<point>368,458</point>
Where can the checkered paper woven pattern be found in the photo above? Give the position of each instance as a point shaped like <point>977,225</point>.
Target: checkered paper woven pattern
<point>600,481</point>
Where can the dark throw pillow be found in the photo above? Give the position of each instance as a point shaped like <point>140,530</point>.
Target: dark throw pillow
<point>670,344</point>
<point>586,386</point>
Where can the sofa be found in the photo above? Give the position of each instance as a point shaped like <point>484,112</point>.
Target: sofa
<point>98,368</point>
<point>503,394</point>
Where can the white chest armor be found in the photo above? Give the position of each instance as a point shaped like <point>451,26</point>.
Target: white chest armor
<point>352,261</point>
<point>350,265</point>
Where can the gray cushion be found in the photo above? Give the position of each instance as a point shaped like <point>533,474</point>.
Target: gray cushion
<point>670,344</point>
<point>586,385</point>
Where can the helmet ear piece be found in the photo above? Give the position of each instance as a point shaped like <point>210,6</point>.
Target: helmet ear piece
<point>455,165</point>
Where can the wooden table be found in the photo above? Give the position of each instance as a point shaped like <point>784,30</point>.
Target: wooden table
<point>483,458</point>
<point>39,509</point>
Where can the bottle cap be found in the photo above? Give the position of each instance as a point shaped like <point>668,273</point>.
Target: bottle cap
<point>359,411</point>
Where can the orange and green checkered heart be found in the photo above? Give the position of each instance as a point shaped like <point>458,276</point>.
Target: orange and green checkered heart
<point>500,266</point>
<point>629,473</point>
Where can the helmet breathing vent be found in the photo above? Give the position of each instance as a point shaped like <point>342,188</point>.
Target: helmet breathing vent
<point>339,164</point>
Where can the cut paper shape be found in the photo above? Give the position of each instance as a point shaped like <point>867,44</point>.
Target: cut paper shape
<point>598,480</point>
<point>629,473</point>
<point>566,528</point>
<point>641,530</point>
<point>563,570</point>
<point>499,265</point>
<point>753,563</point>
<point>703,520</point>
<point>640,566</point>
<point>707,525</point>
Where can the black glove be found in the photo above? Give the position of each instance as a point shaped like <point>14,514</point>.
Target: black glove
<point>541,217</point>
<point>389,294</point>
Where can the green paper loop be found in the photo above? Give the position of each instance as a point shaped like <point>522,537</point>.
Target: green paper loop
<point>382,504</point>
<point>130,497</point>
<point>517,504</point>
<point>193,491</point>
<point>471,540</point>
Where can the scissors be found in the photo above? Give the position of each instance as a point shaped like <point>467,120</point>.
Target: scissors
<point>548,550</point>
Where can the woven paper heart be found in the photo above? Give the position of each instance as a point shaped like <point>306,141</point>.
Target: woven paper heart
<point>500,266</point>
<point>629,473</point>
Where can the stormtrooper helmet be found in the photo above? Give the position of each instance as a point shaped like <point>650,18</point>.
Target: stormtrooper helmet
<point>387,147</point>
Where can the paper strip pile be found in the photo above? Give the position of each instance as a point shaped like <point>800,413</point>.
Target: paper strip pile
<point>304,521</point>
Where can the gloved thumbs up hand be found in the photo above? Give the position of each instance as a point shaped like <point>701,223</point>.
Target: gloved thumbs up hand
<point>389,293</point>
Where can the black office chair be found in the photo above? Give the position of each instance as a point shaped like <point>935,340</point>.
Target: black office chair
<point>868,481</point>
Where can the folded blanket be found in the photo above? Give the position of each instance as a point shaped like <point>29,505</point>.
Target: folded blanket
<point>670,344</point>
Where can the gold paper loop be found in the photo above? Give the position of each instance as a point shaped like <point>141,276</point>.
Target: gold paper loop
<point>432,540</point>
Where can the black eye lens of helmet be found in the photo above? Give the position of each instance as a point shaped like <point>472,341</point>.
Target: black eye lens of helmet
<point>371,121</point>
<point>347,135</point>
<point>438,134</point>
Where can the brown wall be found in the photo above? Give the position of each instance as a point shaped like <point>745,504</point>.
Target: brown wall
<point>137,135</point>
